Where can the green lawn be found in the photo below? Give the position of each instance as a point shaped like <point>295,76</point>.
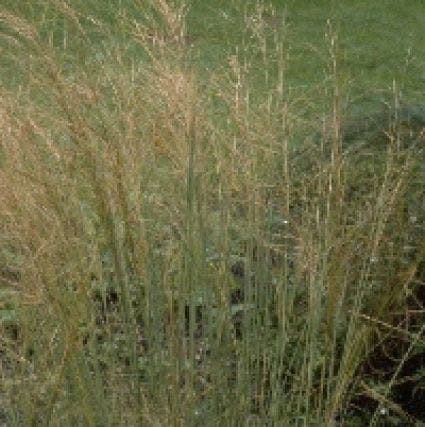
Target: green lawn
<point>379,42</point>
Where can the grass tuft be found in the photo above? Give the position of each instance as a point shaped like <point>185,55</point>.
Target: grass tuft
<point>183,245</point>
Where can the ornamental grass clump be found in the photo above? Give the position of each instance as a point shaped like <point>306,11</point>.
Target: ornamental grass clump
<point>182,245</point>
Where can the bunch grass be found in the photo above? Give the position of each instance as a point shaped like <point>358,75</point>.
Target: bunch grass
<point>181,250</point>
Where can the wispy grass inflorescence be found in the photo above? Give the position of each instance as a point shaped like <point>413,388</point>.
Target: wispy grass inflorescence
<point>183,246</point>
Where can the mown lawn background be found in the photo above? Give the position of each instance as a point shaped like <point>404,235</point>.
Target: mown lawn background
<point>212,213</point>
